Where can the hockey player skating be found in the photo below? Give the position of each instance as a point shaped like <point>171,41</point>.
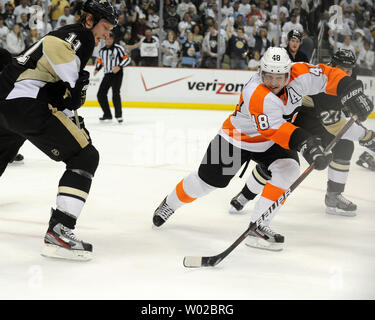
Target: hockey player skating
<point>48,78</point>
<point>261,130</point>
<point>6,58</point>
<point>321,115</point>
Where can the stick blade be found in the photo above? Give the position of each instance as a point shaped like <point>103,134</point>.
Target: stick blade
<point>193,262</point>
<point>198,262</point>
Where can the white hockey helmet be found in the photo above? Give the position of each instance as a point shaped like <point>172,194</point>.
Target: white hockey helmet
<point>275,60</point>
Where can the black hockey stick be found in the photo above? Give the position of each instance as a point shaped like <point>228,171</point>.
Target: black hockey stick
<point>199,261</point>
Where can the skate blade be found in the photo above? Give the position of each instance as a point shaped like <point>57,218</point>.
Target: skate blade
<point>260,243</point>
<point>338,212</point>
<point>233,210</point>
<point>53,251</point>
<point>16,163</point>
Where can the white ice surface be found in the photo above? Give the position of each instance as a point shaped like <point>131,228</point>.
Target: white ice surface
<point>326,257</point>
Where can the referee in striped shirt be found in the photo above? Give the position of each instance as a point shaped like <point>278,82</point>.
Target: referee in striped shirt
<point>113,58</point>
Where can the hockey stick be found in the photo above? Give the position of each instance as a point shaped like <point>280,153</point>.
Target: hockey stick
<point>77,119</point>
<point>199,261</point>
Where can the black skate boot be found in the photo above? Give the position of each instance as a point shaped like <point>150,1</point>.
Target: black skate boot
<point>337,204</point>
<point>17,159</point>
<point>105,118</point>
<point>367,161</point>
<point>238,203</point>
<point>61,242</point>
<point>162,213</point>
<point>119,119</point>
<point>264,238</point>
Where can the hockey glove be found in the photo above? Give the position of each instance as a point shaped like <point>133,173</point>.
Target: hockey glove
<point>369,140</point>
<point>356,101</point>
<point>78,94</point>
<point>82,126</point>
<point>312,151</point>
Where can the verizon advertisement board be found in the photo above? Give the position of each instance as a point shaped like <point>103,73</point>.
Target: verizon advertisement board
<point>184,87</point>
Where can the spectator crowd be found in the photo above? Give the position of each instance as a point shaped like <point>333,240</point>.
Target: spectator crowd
<point>193,34</point>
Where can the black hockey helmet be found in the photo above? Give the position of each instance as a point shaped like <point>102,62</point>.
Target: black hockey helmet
<point>101,9</point>
<point>294,34</point>
<point>345,58</point>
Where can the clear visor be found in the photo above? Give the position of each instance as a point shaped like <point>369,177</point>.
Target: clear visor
<point>273,80</point>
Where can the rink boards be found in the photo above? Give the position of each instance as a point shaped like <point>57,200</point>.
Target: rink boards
<point>184,88</point>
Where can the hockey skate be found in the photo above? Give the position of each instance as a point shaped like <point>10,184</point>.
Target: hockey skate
<point>367,161</point>
<point>162,213</point>
<point>17,159</point>
<point>238,203</point>
<point>337,204</point>
<point>264,238</point>
<point>105,118</point>
<point>60,242</point>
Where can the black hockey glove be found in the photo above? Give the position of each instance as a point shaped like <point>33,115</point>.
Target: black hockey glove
<point>369,140</point>
<point>356,101</point>
<point>82,126</point>
<point>312,151</point>
<point>78,94</point>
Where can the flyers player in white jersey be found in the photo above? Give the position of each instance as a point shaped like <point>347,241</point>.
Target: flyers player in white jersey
<point>261,129</point>
<point>322,115</point>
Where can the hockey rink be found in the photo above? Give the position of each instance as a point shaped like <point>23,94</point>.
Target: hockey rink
<point>326,257</point>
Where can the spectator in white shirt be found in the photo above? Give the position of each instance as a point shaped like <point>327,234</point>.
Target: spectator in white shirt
<point>304,5</point>
<point>345,45</point>
<point>292,25</point>
<point>184,6</point>
<point>251,29</point>
<point>227,9</point>
<point>15,41</point>
<point>263,12</point>
<point>282,9</point>
<point>22,8</point>
<point>273,30</point>
<point>244,7</point>
<point>2,5</point>
<point>349,4</point>
<point>170,48</point>
<point>3,32</point>
<point>357,41</point>
<point>349,19</point>
<point>362,26</point>
<point>186,24</point>
<point>254,63</point>
<point>152,20</point>
<point>366,58</point>
<point>69,19</point>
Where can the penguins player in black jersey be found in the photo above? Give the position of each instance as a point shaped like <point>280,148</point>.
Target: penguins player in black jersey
<point>39,91</point>
<point>6,58</point>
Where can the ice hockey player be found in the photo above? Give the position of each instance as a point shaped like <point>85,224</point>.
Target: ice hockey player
<point>6,58</point>
<point>46,79</point>
<point>321,115</point>
<point>260,129</point>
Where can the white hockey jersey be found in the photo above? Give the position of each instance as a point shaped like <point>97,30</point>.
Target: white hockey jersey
<point>261,118</point>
